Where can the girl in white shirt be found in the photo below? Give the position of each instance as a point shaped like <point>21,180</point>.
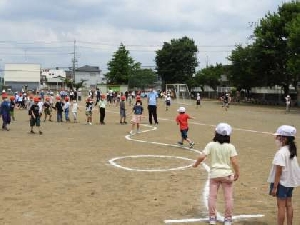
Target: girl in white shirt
<point>285,173</point>
<point>74,110</point>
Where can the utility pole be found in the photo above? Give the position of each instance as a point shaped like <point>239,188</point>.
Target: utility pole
<point>74,61</point>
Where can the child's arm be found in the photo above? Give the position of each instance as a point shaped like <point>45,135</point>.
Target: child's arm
<point>199,160</point>
<point>235,167</point>
<point>278,174</point>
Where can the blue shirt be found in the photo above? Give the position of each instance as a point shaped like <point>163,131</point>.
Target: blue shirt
<point>152,98</point>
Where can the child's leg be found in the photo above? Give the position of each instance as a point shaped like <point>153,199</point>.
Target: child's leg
<point>213,191</point>
<point>281,205</point>
<point>289,211</point>
<point>227,189</point>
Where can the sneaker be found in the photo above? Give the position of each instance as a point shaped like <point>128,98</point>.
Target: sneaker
<point>192,144</point>
<point>212,220</point>
<point>131,133</point>
<point>32,132</point>
<point>228,221</point>
<point>90,123</point>
<point>40,132</point>
<point>180,143</point>
<point>138,131</point>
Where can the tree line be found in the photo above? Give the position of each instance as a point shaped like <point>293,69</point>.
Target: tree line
<point>272,58</point>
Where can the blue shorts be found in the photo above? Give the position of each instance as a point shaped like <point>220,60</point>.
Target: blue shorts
<point>282,191</point>
<point>184,134</point>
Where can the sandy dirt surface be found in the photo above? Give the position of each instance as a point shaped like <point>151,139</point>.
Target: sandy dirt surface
<point>64,176</point>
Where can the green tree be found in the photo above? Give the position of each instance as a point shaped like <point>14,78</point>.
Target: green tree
<point>272,40</point>
<point>121,66</point>
<point>176,62</point>
<point>243,70</point>
<point>210,76</point>
<point>142,78</point>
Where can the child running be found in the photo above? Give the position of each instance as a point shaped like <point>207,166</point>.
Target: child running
<point>123,110</point>
<point>137,111</point>
<point>223,157</point>
<point>35,114</point>
<point>285,173</point>
<point>182,121</point>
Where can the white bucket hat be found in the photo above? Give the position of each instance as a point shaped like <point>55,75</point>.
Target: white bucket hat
<point>286,130</point>
<point>181,109</point>
<point>223,129</point>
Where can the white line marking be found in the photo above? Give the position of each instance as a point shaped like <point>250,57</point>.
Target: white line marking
<point>112,162</point>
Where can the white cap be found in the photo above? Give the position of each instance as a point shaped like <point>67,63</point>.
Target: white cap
<point>287,96</point>
<point>181,109</point>
<point>198,93</point>
<point>286,130</point>
<point>223,129</point>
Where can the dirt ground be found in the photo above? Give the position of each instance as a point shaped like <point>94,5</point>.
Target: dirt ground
<point>64,176</point>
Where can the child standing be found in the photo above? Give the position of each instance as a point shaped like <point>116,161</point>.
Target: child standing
<point>74,110</point>
<point>137,111</point>
<point>123,110</point>
<point>288,103</point>
<point>89,111</point>
<point>35,114</point>
<point>47,109</point>
<point>223,158</point>
<point>59,109</point>
<point>168,101</point>
<point>5,112</point>
<point>102,105</point>
<point>12,108</point>
<point>67,109</point>
<point>198,100</point>
<point>182,121</point>
<point>285,173</point>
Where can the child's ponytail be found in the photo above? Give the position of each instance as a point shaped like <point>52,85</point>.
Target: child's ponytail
<point>292,146</point>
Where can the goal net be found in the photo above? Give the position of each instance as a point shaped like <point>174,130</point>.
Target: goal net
<point>179,92</point>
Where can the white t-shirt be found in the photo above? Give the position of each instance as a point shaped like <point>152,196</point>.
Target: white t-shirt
<point>220,155</point>
<point>290,172</point>
<point>74,107</point>
<point>40,104</point>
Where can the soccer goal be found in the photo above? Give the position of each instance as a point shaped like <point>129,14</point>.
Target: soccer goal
<point>180,93</point>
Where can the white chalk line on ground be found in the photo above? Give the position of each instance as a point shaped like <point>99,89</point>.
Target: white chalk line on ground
<point>205,192</point>
<point>113,162</point>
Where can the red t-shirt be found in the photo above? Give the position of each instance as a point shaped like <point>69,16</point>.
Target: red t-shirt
<point>182,119</point>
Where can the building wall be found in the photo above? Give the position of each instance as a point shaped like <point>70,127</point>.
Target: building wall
<point>92,78</point>
<point>18,86</point>
<point>22,73</point>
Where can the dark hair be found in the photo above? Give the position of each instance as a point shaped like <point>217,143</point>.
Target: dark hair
<point>221,138</point>
<point>290,141</point>
<point>139,102</point>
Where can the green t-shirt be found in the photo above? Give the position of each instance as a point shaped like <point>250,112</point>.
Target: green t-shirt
<point>220,155</point>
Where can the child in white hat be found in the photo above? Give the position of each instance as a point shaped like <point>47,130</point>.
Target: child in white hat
<point>285,173</point>
<point>182,121</point>
<point>223,157</point>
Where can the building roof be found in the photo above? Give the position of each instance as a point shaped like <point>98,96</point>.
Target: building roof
<point>87,68</point>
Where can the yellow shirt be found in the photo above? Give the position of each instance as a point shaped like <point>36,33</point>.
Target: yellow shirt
<point>220,158</point>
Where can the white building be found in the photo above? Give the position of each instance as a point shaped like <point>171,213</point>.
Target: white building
<point>20,76</point>
<point>48,73</point>
<point>91,75</point>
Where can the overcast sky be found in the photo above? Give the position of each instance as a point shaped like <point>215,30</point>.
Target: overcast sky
<point>43,31</point>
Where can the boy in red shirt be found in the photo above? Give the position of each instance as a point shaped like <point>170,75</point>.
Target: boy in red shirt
<point>182,121</point>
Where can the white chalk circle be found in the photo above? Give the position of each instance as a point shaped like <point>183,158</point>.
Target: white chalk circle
<point>114,163</point>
